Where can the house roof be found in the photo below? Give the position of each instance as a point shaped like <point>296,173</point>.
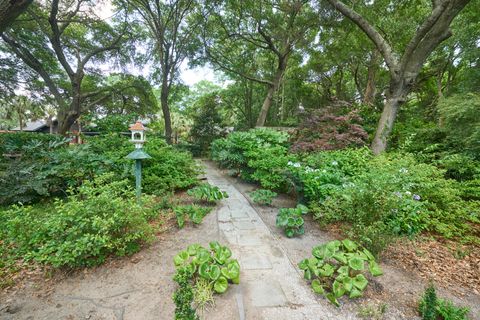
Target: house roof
<point>137,126</point>
<point>32,126</point>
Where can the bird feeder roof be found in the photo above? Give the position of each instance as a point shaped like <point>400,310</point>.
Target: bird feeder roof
<point>138,154</point>
<point>138,126</point>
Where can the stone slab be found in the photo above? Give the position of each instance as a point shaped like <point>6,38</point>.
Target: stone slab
<point>266,293</point>
<point>254,261</point>
<point>243,224</point>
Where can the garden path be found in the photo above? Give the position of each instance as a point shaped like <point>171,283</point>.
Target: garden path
<point>271,287</point>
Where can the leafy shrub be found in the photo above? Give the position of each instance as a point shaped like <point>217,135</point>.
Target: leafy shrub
<point>321,173</point>
<point>263,196</point>
<point>329,129</point>
<point>215,265</point>
<point>337,268</point>
<point>395,195</point>
<point>183,297</point>
<point>259,155</point>
<point>291,221</point>
<point>46,168</point>
<point>194,212</point>
<point>207,192</point>
<point>461,120</point>
<point>167,170</point>
<point>207,122</point>
<point>99,219</point>
<point>212,270</point>
<point>432,308</point>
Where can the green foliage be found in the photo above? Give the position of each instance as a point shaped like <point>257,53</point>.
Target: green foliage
<point>114,123</point>
<point>291,221</point>
<point>194,212</point>
<point>43,166</point>
<point>263,196</point>
<point>433,308</point>
<point>100,218</point>
<point>461,120</point>
<point>395,195</point>
<point>338,268</point>
<point>207,122</point>
<point>209,270</point>
<point>207,192</point>
<point>183,297</point>
<point>258,155</point>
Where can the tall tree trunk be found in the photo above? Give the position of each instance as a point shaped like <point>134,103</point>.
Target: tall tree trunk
<point>396,97</point>
<point>370,89</point>
<point>272,88</point>
<point>166,110</point>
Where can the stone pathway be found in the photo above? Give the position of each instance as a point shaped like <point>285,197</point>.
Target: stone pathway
<point>271,287</point>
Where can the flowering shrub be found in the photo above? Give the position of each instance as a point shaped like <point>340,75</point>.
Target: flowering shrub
<point>395,195</point>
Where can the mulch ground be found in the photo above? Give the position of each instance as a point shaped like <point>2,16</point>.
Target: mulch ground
<point>444,262</point>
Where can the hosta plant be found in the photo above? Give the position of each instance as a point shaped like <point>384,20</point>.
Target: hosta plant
<point>215,265</point>
<point>207,192</point>
<point>290,219</point>
<point>263,196</point>
<point>194,213</point>
<point>338,268</point>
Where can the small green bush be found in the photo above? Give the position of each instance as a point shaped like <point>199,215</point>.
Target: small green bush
<point>207,192</point>
<point>291,221</point>
<point>193,212</point>
<point>263,196</point>
<point>98,219</point>
<point>337,268</point>
<point>433,308</point>
<point>215,267</point>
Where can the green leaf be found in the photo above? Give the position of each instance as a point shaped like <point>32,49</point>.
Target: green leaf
<point>327,270</point>
<point>193,249</point>
<point>303,265</point>
<point>214,272</point>
<point>375,269</point>
<point>355,293</point>
<point>349,245</point>
<point>317,287</point>
<point>289,232</point>
<point>338,289</point>
<point>231,270</point>
<point>369,255</point>
<point>347,283</point>
<point>319,252</point>
<point>356,263</point>
<point>340,257</point>
<point>307,274</point>
<point>360,282</point>
<point>331,297</point>
<point>181,258</point>
<point>215,246</point>
<point>333,246</point>
<point>220,285</point>
<point>203,270</point>
<point>343,270</point>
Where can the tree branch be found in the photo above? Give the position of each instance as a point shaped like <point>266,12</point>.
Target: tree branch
<point>371,32</point>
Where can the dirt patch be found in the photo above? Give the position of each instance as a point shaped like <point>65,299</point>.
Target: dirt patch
<point>445,263</point>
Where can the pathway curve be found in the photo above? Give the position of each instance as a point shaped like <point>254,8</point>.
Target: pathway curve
<point>271,287</point>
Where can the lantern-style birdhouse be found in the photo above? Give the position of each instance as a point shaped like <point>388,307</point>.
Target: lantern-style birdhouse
<point>138,134</point>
